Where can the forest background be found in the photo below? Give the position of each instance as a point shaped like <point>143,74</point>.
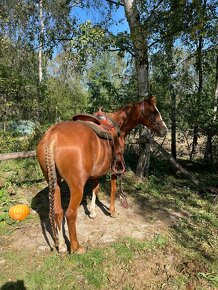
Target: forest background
<point>59,58</point>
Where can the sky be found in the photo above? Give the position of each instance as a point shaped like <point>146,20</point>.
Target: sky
<point>120,23</point>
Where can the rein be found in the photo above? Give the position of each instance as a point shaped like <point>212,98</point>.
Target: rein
<point>103,117</point>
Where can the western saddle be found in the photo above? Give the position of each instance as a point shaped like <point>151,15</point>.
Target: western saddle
<point>106,128</point>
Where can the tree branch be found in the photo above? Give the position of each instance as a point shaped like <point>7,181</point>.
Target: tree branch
<point>15,155</point>
<point>170,158</point>
<point>115,2</point>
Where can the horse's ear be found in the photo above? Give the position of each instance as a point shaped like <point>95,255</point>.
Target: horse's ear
<point>152,100</point>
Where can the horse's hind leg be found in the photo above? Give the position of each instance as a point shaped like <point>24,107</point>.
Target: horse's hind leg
<point>76,194</point>
<point>95,191</point>
<point>58,215</point>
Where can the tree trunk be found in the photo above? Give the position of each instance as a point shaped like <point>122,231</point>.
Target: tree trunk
<point>194,142</point>
<point>173,123</point>
<point>40,39</point>
<point>145,155</point>
<point>216,92</point>
<point>170,71</point>
<point>4,126</point>
<point>15,155</point>
<point>173,161</point>
<point>5,114</point>
<point>138,36</point>
<point>199,95</point>
<point>208,154</point>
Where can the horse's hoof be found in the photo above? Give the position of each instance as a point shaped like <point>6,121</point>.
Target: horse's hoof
<point>93,215</point>
<point>62,249</point>
<point>114,214</point>
<point>80,250</point>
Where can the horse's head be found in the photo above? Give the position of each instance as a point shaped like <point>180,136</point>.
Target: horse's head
<point>151,117</point>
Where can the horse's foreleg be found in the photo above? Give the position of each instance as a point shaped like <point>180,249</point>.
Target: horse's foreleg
<point>113,192</point>
<point>95,191</point>
<point>58,215</point>
<point>71,214</point>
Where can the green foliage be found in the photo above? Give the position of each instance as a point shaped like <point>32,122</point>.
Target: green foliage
<point>15,175</point>
<point>18,81</point>
<point>89,41</point>
<point>5,204</point>
<point>105,79</point>
<point>19,172</point>
<point>11,141</point>
<point>65,93</point>
<point>64,99</point>
<point>84,74</point>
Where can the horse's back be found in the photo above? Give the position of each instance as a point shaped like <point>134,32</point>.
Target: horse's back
<point>76,149</point>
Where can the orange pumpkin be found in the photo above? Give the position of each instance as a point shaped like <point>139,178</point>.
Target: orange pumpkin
<point>19,212</point>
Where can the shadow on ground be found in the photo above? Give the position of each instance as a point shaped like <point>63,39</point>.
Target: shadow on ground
<point>40,203</point>
<point>18,285</point>
<point>164,206</point>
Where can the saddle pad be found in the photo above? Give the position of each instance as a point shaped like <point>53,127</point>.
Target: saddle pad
<point>100,132</point>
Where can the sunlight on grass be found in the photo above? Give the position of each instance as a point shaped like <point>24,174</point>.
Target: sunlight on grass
<point>89,261</point>
<point>188,248</point>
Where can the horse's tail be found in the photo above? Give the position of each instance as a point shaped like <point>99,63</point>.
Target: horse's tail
<point>52,181</point>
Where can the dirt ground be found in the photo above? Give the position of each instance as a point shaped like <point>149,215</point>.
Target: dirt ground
<point>143,220</point>
<point>132,222</point>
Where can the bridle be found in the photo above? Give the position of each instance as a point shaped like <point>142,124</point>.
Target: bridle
<point>149,118</point>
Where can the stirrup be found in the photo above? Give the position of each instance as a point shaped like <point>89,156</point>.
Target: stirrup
<point>118,171</point>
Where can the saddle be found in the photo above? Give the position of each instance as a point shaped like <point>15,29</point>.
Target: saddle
<point>86,118</point>
<point>106,128</point>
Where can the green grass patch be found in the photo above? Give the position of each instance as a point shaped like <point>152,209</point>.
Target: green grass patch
<point>188,249</point>
<point>20,172</point>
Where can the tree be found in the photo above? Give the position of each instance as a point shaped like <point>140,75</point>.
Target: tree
<point>150,51</point>
<point>212,126</point>
<point>105,78</point>
<point>18,81</point>
<point>140,49</point>
<point>65,94</point>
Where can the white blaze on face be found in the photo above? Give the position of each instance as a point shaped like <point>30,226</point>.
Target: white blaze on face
<point>161,117</point>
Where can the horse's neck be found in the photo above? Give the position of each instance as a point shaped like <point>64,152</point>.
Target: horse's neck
<point>127,118</point>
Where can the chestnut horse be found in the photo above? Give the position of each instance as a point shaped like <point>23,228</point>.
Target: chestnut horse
<point>72,151</point>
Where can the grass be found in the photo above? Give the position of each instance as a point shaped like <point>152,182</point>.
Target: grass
<point>90,270</point>
<point>186,253</point>
<point>197,226</point>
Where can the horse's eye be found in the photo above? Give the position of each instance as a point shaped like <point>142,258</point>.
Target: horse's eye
<point>154,116</point>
